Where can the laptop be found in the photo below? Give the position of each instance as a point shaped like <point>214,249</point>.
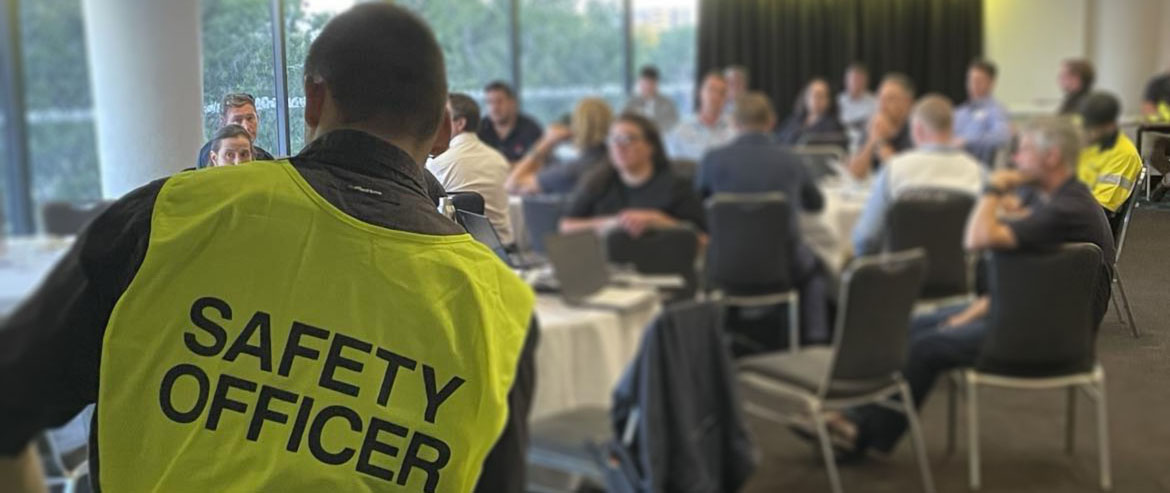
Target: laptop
<point>480,228</point>
<point>582,274</point>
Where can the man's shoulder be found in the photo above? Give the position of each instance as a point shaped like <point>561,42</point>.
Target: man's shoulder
<point>527,122</point>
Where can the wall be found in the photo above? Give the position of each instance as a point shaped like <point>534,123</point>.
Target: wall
<point>1124,39</point>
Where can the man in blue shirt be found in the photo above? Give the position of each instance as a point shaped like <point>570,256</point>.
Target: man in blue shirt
<point>982,125</point>
<point>754,163</point>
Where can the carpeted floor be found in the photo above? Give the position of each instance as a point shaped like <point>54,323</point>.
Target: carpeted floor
<point>1022,432</point>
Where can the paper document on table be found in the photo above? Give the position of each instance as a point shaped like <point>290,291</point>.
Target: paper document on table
<point>618,298</point>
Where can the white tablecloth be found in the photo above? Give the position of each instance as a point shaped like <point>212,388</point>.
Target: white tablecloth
<point>24,263</point>
<point>583,352</point>
<point>829,233</point>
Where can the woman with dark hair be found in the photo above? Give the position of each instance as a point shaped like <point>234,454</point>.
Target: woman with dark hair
<point>639,192</point>
<point>814,120</point>
<point>1076,81</point>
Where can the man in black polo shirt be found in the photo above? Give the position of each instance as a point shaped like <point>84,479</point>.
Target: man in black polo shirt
<point>506,129</point>
<point>888,132</point>
<point>1056,208</point>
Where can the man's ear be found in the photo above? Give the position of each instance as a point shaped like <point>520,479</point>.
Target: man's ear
<point>443,137</point>
<point>315,94</point>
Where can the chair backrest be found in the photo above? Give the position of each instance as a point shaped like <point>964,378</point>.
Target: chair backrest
<point>1041,318</point>
<point>821,161</point>
<point>1121,227</point>
<point>934,219</point>
<point>657,251</point>
<point>467,201</point>
<point>542,217</point>
<point>751,246</point>
<point>684,169</point>
<point>66,218</point>
<point>873,316</point>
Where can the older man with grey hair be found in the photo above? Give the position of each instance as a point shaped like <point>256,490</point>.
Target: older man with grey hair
<point>1039,206</point>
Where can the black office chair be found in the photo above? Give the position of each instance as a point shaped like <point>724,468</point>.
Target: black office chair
<point>1119,223</point>
<point>542,217</point>
<point>680,352</point>
<point>749,257</point>
<point>658,251</point>
<point>467,201</point>
<point>865,363</point>
<point>67,218</point>
<point>934,220</point>
<point>1042,335</point>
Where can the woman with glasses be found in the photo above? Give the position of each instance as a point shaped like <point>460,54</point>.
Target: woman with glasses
<point>639,191</point>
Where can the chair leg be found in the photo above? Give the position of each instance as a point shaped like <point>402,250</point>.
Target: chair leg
<point>1117,307</point>
<point>826,450</point>
<point>916,434</point>
<point>952,413</point>
<point>1070,422</point>
<point>974,480</point>
<point>1125,302</point>
<point>794,323</point>
<point>1103,437</point>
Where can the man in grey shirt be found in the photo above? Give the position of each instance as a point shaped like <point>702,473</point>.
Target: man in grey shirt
<point>856,103</point>
<point>650,103</point>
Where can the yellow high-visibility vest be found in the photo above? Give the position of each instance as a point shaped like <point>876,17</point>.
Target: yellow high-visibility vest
<point>1110,173</point>
<point>270,342</point>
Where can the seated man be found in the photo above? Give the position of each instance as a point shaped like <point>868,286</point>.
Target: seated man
<point>1062,210</point>
<point>888,132</point>
<point>237,109</point>
<point>469,165</point>
<point>755,163</point>
<point>708,128</point>
<point>1109,164</point>
<point>982,126</point>
<point>230,146</point>
<point>507,129</point>
<point>638,192</point>
<point>934,163</point>
<point>650,103</point>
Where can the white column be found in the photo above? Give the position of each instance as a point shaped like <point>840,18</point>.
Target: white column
<point>147,80</point>
<point>1124,46</point>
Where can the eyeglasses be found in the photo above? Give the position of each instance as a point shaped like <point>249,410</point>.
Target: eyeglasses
<point>623,140</point>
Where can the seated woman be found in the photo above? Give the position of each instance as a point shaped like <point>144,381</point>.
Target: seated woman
<point>639,192</point>
<point>535,174</point>
<point>814,120</point>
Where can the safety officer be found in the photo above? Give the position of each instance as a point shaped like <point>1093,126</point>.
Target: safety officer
<point>1109,164</point>
<point>311,324</point>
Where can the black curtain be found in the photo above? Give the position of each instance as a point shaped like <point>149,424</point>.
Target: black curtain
<point>784,43</point>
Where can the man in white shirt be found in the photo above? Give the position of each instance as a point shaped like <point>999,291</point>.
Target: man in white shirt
<point>652,104</point>
<point>933,163</point>
<point>706,129</point>
<point>469,165</point>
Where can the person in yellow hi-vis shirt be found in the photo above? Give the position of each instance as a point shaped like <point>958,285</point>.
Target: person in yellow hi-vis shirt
<point>309,324</point>
<point>1109,164</point>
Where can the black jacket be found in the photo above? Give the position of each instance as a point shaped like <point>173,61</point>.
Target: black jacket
<point>690,433</point>
<point>51,346</point>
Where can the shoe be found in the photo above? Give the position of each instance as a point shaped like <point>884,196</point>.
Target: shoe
<point>1158,193</point>
<point>845,450</point>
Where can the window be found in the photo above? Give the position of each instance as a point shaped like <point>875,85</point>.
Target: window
<point>664,36</point>
<point>237,57</point>
<point>62,144</point>
<point>475,40</point>
<point>304,19</point>
<point>570,49</point>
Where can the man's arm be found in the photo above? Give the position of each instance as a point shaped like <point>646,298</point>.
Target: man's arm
<point>867,234</point>
<point>811,198</point>
<point>50,348</point>
<point>985,230</point>
<point>505,469</point>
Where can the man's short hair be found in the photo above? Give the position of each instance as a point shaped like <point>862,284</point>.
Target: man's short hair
<point>462,106</point>
<point>753,110</point>
<point>382,65</point>
<point>984,65</point>
<point>735,69</point>
<point>499,85</point>
<point>857,67</point>
<point>902,80</point>
<point>1050,132</point>
<point>936,112</point>
<point>234,100</point>
<point>712,74</point>
<point>648,72</point>
<point>229,131</point>
<point>1099,108</point>
<point>1083,69</point>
